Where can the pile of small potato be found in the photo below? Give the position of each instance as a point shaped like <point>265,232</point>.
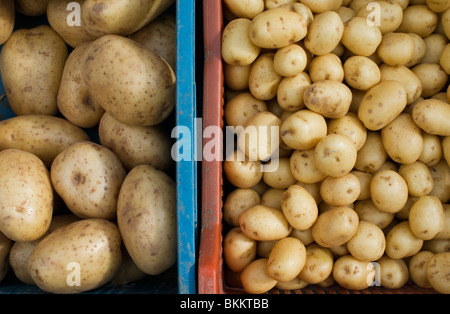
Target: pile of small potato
<point>87,195</point>
<point>358,91</point>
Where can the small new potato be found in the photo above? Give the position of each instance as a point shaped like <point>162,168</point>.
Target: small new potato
<point>272,198</point>
<point>354,274</point>
<point>303,167</point>
<point>32,63</point>
<point>7,20</point>
<point>286,260</point>
<point>438,267</point>
<point>361,72</point>
<point>433,150</point>
<point>426,217</point>
<point>255,279</point>
<point>372,155</point>
<point>27,196</point>
<point>368,243</point>
<point>432,116</point>
<point>85,253</point>
<point>326,67</point>
<point>390,19</point>
<point>418,178</point>
<point>319,6</point>
<point>88,178</point>
<point>396,48</point>
<point>242,172</point>
<point>247,9</point>
<point>263,80</point>
<point>236,76</point>
<point>360,37</point>
<point>239,109</point>
<point>324,33</point>
<point>263,223</point>
<point>42,135</point>
<point>340,191</point>
<point>364,179</point>
<point>290,91</point>
<point>335,226</point>
<point>418,268</point>
<point>299,207</point>
<point>367,211</point>
<point>351,126</point>
<point>146,217</point>
<point>394,273</point>
<point>238,250</point>
<point>401,242</point>
<point>406,77</point>
<point>281,177</point>
<point>290,60</point>
<point>318,264</point>
<point>432,77</point>
<point>237,201</point>
<point>389,191</point>
<point>418,19</point>
<point>441,181</point>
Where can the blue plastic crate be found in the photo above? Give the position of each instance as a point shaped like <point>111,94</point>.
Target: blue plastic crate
<point>181,278</point>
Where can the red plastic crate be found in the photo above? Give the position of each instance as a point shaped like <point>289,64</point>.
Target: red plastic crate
<point>210,263</point>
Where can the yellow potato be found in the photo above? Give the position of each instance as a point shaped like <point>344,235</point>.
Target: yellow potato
<point>146,217</point>
<point>420,50</point>
<point>367,211</point>
<point>236,76</point>
<point>418,19</point>
<point>263,79</point>
<point>364,179</point>
<point>341,191</point>
<point>351,126</point>
<point>351,273</point>
<point>326,67</point>
<point>438,5</point>
<point>396,48</point>
<point>441,181</point>
<point>368,243</point>
<point>32,63</point>
<point>263,223</point>
<point>389,191</point>
<point>432,149</point>
<point>290,92</point>
<point>282,177</point>
<point>432,116</point>
<point>237,47</point>
<point>299,207</point>
<point>324,33</point>
<point>237,201</point>
<point>239,109</point>
<point>418,268</point>
<point>304,168</point>
<point>247,9</point>
<point>255,279</point>
<point>401,242</point>
<point>238,250</point>
<point>438,267</point>
<point>290,60</point>
<point>42,135</point>
<point>7,20</point>
<point>418,178</point>
<point>360,37</point>
<point>426,217</point>
<point>445,20</point>
<point>435,44</point>
<point>394,273</point>
<point>335,226</point>
<point>432,76</point>
<point>88,178</point>
<point>27,196</point>
<point>318,264</point>
<point>286,259</point>
<point>390,18</point>
<point>372,155</point>
<point>78,257</point>
<point>381,104</point>
<point>242,172</point>
<point>272,198</point>
<point>277,27</point>
<point>293,284</point>
<point>361,72</point>
<point>404,76</point>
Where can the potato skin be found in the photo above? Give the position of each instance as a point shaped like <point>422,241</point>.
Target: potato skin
<point>92,243</point>
<point>42,135</point>
<point>146,216</point>
<point>31,63</point>
<point>27,196</point>
<point>138,88</point>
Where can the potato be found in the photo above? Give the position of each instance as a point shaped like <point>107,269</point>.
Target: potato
<point>351,273</point>
<point>282,177</point>
<point>236,76</point>
<point>432,116</point>
<point>88,178</point>
<point>238,250</point>
<point>324,33</point>
<point>331,99</point>
<point>121,17</point>
<point>321,5</point>
<point>445,21</point>
<point>146,217</point>
<point>351,126</point>
<point>299,207</point>
<point>335,226</point>
<point>128,272</point>
<point>372,155</point>
<point>303,167</point>
<point>260,136</point>
<point>418,268</point>
<point>394,273</point>
<point>141,97</point>
<point>432,151</point>
<point>404,76</point>
<point>341,191</point>
<point>239,109</point>
<point>7,20</point>
<point>360,37</point>
<point>437,245</point>
<point>364,179</point>
<point>73,98</point>
<point>368,243</point>
<point>361,72</point>
<point>160,36</point>
<point>242,172</point>
<point>277,28</point>
<point>290,60</point>
<point>381,104</point>
<point>32,63</point>
<point>42,135</point>
<point>136,145</point>
<point>286,259</point>
<point>5,246</point>
<point>78,257</point>
<point>237,201</point>
<point>335,155</point>
<point>367,211</point>
<point>435,44</point>
<point>426,217</point>
<point>27,195</point>
<point>401,242</point>
<point>446,150</point>
<point>389,191</point>
<point>272,198</point>
<point>303,129</point>
<point>438,6</point>
<point>31,7</point>
<point>441,181</point>
<point>63,18</point>
<point>438,267</point>
<point>418,178</point>
<point>290,92</point>
<point>293,284</point>
<point>390,19</point>
<point>402,139</point>
<point>263,79</point>
<point>418,19</point>
<point>396,49</point>
<point>255,279</point>
<point>432,76</point>
<point>420,50</point>
<point>318,264</point>
<point>263,223</point>
<point>326,67</point>
<point>237,47</point>
<point>247,9</point>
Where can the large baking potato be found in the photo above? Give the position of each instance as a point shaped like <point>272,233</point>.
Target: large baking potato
<point>7,19</point>
<point>78,257</point>
<point>146,216</point>
<point>121,17</point>
<point>44,136</point>
<point>26,203</point>
<point>31,65</point>
<point>139,86</point>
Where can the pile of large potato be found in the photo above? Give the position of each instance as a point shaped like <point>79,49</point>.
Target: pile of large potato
<point>77,211</point>
<point>358,94</point>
